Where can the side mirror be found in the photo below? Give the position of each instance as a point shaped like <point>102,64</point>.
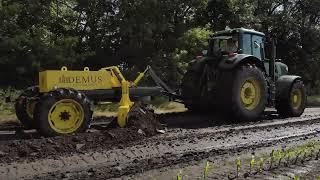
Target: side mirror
<point>204,52</point>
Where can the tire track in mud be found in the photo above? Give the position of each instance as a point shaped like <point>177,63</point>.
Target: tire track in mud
<point>164,150</point>
<point>13,131</point>
<point>170,156</point>
<point>247,126</point>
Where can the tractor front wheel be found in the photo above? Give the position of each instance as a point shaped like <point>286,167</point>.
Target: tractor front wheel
<point>293,104</point>
<point>63,111</point>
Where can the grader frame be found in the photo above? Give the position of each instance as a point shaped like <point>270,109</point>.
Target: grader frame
<point>64,94</point>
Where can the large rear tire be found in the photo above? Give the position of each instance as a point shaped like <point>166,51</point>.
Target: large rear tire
<point>25,105</point>
<point>191,90</point>
<point>244,93</point>
<point>63,111</point>
<point>294,104</point>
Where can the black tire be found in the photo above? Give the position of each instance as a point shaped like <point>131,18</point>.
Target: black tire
<point>284,104</point>
<point>30,95</point>
<point>230,88</point>
<point>49,101</point>
<point>191,91</point>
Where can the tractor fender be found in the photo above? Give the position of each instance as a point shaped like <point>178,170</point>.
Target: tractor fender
<point>229,63</point>
<point>196,65</point>
<point>283,85</point>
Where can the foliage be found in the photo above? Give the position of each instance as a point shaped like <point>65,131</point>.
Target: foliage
<point>293,155</point>
<point>284,157</point>
<point>46,34</point>
<point>206,169</point>
<point>7,97</point>
<point>238,166</point>
<point>190,44</point>
<point>179,175</point>
<point>252,163</point>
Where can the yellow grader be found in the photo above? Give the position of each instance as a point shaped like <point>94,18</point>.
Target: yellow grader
<point>61,104</point>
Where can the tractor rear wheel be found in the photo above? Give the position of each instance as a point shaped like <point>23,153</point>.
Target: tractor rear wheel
<point>63,111</point>
<point>244,93</point>
<point>25,105</point>
<point>191,91</point>
<point>292,105</point>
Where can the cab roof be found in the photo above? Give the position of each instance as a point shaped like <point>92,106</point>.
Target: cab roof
<point>238,30</point>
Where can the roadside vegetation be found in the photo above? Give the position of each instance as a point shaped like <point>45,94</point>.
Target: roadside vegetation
<point>38,35</point>
<point>7,96</point>
<point>313,100</point>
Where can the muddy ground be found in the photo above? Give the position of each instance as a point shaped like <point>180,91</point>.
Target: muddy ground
<point>114,153</point>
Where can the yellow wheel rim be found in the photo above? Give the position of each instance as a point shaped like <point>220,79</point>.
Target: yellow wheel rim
<point>66,116</point>
<point>30,108</point>
<point>296,98</point>
<point>250,94</point>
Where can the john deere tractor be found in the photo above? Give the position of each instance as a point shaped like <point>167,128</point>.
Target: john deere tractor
<point>236,78</point>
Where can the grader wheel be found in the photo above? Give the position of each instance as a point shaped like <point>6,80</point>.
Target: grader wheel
<point>25,105</point>
<point>63,111</point>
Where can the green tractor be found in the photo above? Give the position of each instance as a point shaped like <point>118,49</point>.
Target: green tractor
<point>235,77</point>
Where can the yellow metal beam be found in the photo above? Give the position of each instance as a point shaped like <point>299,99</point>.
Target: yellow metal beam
<point>125,104</point>
<point>105,78</point>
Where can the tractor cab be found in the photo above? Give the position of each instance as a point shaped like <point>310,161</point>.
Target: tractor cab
<point>244,42</point>
<point>224,44</point>
<point>240,40</point>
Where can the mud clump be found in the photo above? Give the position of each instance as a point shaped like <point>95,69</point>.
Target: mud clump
<point>143,119</point>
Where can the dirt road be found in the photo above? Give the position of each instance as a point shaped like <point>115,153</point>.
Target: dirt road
<point>124,152</point>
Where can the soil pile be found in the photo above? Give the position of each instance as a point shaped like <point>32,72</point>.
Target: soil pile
<point>143,119</point>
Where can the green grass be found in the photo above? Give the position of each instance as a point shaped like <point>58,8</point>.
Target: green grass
<point>313,100</point>
<point>7,113</point>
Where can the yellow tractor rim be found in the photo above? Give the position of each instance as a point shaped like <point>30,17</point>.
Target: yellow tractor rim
<point>66,116</point>
<point>296,98</point>
<point>250,94</point>
<point>30,108</point>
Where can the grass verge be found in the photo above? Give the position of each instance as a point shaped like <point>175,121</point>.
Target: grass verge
<point>313,100</point>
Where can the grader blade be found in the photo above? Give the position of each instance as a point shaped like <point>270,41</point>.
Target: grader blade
<point>135,115</point>
<point>125,104</point>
